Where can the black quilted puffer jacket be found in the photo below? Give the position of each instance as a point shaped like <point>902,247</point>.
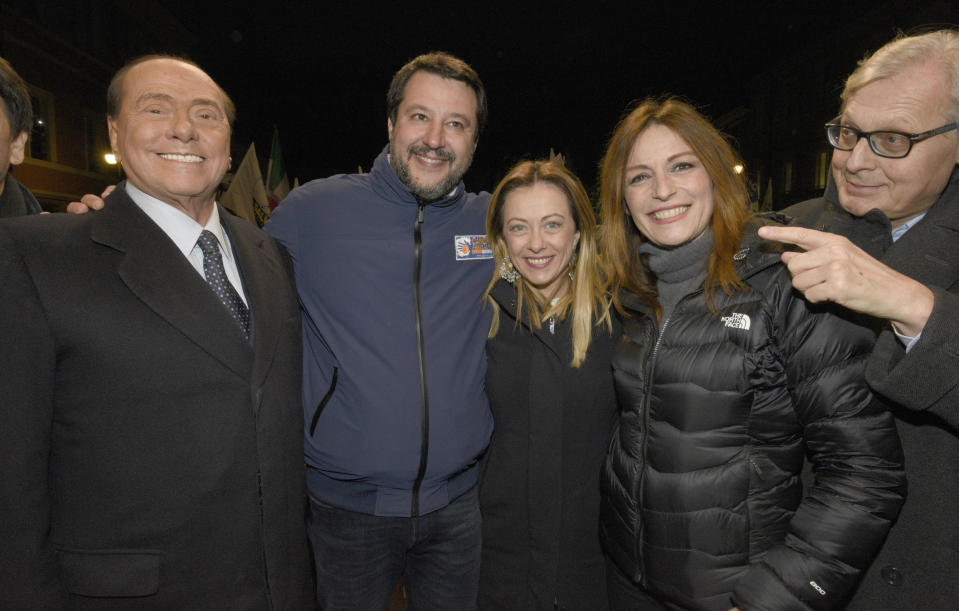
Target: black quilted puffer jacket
<point>703,502</point>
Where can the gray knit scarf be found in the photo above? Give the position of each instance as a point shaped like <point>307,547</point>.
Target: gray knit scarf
<point>679,270</point>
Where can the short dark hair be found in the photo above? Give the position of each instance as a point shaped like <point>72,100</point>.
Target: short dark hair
<point>444,65</point>
<point>115,90</point>
<point>15,98</point>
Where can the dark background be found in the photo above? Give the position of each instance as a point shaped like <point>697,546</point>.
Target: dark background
<point>558,75</point>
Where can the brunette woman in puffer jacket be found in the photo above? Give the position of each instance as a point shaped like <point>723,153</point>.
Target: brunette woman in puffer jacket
<point>726,381</point>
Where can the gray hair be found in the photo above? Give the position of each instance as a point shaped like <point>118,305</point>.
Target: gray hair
<point>907,52</point>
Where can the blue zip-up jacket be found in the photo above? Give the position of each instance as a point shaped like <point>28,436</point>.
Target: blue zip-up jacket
<point>373,444</point>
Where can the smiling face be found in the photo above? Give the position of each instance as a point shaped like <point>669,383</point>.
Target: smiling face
<point>668,192</point>
<point>171,133</point>
<point>434,136</point>
<point>913,102</point>
<point>541,236</point>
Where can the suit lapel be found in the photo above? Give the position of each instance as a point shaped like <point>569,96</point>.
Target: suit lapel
<point>157,273</point>
<point>264,279</point>
<point>927,252</point>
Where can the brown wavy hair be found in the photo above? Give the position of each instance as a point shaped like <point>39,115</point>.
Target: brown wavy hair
<point>619,237</point>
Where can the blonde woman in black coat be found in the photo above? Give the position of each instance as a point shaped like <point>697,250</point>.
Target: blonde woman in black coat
<point>551,393</point>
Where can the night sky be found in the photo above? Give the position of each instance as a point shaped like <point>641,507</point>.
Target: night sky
<point>557,76</point>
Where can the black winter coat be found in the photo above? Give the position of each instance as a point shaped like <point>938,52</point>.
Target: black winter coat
<point>539,493</point>
<point>703,501</point>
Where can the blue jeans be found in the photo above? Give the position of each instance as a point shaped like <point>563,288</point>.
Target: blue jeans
<point>360,557</point>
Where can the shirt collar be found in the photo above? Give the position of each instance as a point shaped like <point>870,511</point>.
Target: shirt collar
<point>176,224</point>
<point>901,230</point>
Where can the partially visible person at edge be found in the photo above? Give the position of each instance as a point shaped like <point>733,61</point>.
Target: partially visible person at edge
<point>892,252</point>
<point>16,118</point>
<point>390,267</point>
<point>727,378</point>
<point>551,393</point>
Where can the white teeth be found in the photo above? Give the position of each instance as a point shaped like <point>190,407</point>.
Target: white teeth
<point>184,158</point>
<point>542,261</point>
<point>668,214</point>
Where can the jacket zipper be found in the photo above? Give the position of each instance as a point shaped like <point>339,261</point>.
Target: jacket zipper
<point>650,363</point>
<point>647,384</point>
<point>324,401</point>
<point>421,353</point>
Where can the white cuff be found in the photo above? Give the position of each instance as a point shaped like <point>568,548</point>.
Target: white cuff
<point>907,341</point>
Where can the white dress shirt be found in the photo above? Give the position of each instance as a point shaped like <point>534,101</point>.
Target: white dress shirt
<point>184,231</point>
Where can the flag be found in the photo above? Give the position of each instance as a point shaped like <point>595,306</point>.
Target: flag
<point>246,196</point>
<point>277,182</point>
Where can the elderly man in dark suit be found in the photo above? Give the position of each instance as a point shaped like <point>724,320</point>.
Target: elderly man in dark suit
<point>150,378</point>
<point>884,241</point>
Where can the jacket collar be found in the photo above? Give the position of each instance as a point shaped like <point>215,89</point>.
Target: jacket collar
<point>756,254</point>
<point>934,235</point>
<point>559,342</point>
<point>263,275</point>
<point>391,188</point>
<point>16,199</point>
<point>928,252</point>
<point>160,276</point>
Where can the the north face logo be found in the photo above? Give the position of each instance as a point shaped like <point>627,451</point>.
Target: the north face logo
<point>737,321</point>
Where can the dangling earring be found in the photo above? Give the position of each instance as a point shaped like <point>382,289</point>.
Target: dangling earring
<point>572,260</point>
<point>507,272</point>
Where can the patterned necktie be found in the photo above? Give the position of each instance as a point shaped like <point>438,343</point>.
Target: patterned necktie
<point>216,278</point>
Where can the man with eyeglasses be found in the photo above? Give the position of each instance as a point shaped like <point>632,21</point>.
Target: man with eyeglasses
<point>885,243</point>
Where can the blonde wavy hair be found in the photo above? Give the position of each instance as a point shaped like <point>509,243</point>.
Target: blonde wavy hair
<point>587,300</point>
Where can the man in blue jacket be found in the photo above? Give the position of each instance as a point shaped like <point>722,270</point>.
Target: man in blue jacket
<point>390,267</point>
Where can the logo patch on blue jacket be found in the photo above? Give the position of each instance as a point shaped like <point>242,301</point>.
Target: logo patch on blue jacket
<point>472,247</point>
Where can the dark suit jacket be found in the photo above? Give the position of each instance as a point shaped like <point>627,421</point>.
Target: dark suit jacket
<point>150,456</point>
<point>918,567</point>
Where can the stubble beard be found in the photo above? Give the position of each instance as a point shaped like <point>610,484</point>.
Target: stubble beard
<point>428,192</point>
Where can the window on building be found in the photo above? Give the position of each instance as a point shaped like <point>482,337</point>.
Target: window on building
<point>96,142</point>
<point>822,170</point>
<point>41,143</point>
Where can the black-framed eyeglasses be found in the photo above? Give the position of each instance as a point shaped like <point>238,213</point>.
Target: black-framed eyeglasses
<point>890,144</point>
